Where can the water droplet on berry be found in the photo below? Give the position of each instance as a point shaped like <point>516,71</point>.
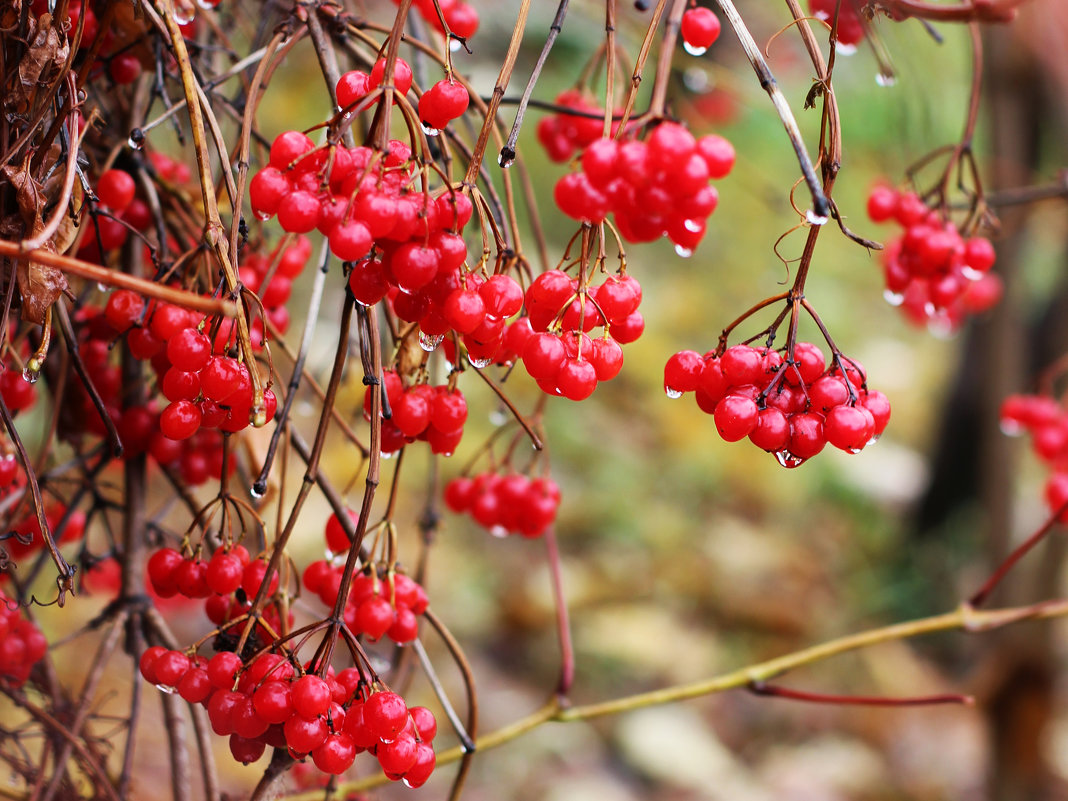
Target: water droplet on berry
<point>846,49</point>
<point>970,273</point>
<point>163,688</point>
<point>855,450</point>
<point>683,252</point>
<point>430,343</point>
<point>788,460</point>
<point>883,79</point>
<point>941,327</point>
<point>672,392</point>
<point>893,298</point>
<point>929,309</point>
<point>694,51</point>
<point>1011,428</point>
<point>693,226</point>
<point>406,783</point>
<point>30,376</point>
<point>262,216</point>
<point>872,441</point>
<point>184,12</point>
<point>430,131</point>
<point>387,455</point>
<point>815,219</point>
<point>478,364</point>
<point>499,531</point>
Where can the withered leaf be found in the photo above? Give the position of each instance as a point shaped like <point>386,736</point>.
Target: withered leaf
<point>40,285</point>
<point>47,53</point>
<point>31,200</point>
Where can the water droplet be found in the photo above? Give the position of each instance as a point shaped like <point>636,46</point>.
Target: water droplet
<point>262,216</point>
<point>883,79</point>
<point>500,532</point>
<point>478,364</point>
<point>693,226</point>
<point>454,45</point>
<point>207,5</point>
<point>788,460</point>
<point>929,309</point>
<point>30,376</point>
<point>970,273</point>
<point>447,454</point>
<point>498,417</point>
<point>855,450</point>
<point>941,327</point>
<point>163,688</point>
<point>683,252</point>
<point>814,218</point>
<point>504,160</point>
<point>184,12</point>
<point>388,455</point>
<point>672,393</point>
<point>430,131</point>
<point>696,79</point>
<point>430,343</point>
<point>872,441</point>
<point>406,783</point>
<point>694,51</point>
<point>1011,428</point>
<point>845,49</point>
<point>136,143</point>
<point>257,491</point>
<point>102,287</point>
<point>893,298</point>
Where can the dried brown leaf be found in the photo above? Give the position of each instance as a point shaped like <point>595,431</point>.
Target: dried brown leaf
<point>40,285</point>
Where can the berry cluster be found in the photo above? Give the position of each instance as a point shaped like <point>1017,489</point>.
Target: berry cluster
<point>935,274</point>
<point>564,134</point>
<point>791,409</point>
<point>505,503</point>
<point>22,645</point>
<point>1046,420</point>
<point>271,276</point>
<point>29,539</point>
<point>172,574</point>
<point>433,414</point>
<point>699,28</point>
<point>559,355</point>
<point>461,18</point>
<point>655,187</point>
<point>850,27</point>
<point>330,718</point>
<point>378,605</point>
<point>205,390</point>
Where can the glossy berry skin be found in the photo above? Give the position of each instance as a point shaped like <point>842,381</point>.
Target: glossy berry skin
<point>699,28</point>
<point>736,417</point>
<point>385,714</point>
<point>442,103</point>
<point>116,189</point>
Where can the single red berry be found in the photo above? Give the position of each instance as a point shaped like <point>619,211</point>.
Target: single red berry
<point>116,188</point>
<point>736,417</point>
<point>310,696</point>
<point>442,103</point>
<point>700,28</point>
<point>385,714</point>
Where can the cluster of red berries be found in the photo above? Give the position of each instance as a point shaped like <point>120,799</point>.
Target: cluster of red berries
<point>117,194</point>
<point>172,574</point>
<point>461,18</point>
<point>377,606</point>
<point>563,134</point>
<point>559,355</point>
<point>789,409</point>
<point>271,276</point>
<point>330,718</point>
<point>122,62</point>
<point>1046,420</point>
<point>699,28</point>
<point>505,503</point>
<point>28,529</point>
<point>937,276</point>
<point>654,187</point>
<point>205,390</point>
<point>22,645</point>
<point>850,27</point>
<point>438,106</point>
<point>433,414</point>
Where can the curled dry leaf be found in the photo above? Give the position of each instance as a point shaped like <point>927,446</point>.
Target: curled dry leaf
<point>47,53</point>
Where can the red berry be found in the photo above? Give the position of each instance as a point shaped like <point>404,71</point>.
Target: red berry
<point>115,188</point>
<point>736,417</point>
<point>700,28</point>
